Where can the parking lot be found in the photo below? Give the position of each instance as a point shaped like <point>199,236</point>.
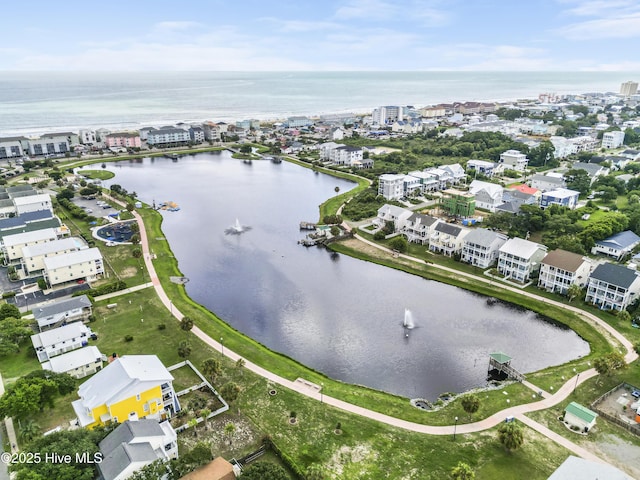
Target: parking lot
<point>94,207</point>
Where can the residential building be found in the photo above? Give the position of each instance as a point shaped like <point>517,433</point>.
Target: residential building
<point>57,341</point>
<point>135,444</point>
<point>519,259</point>
<point>514,160</point>
<point>12,147</point>
<point>348,156</point>
<point>433,112</point>
<point>613,139</point>
<point>418,228</point>
<point>132,386</point>
<point>481,246</point>
<point>612,287</point>
<point>561,196</point>
<point>392,213</point>
<point>32,203</point>
<point>387,115</point>
<point>27,222</point>
<point>447,239</point>
<point>579,416</point>
<point>12,245</point>
<point>523,192</point>
<point>428,181</point>
<point>78,363</point>
<point>560,269</point>
<point>144,132</point>
<point>168,136</point>
<point>87,137</point>
<point>628,88</point>
<point>487,195</point>
<point>101,134</point>
<point>391,186</point>
<point>458,204</point>
<point>52,144</point>
<point>79,265</point>
<point>631,154</point>
<point>481,166</point>
<point>547,182</point>
<point>618,245</point>
<point>123,139</point>
<point>594,170</point>
<point>456,172</point>
<point>197,134</point>
<point>563,147</point>
<point>327,150</point>
<point>299,122</point>
<point>33,256</point>
<point>63,312</point>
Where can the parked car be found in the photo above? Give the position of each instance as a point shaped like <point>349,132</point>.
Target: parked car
<point>635,393</point>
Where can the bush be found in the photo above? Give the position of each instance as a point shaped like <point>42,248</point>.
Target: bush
<point>128,338</point>
<point>379,235</point>
<point>162,326</point>
<point>42,284</point>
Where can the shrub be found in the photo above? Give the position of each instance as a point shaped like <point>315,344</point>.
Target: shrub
<point>162,326</point>
<point>42,284</point>
<point>379,235</point>
<point>293,414</point>
<point>128,338</point>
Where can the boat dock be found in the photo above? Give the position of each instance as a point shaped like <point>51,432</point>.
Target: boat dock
<point>502,363</point>
<point>307,226</point>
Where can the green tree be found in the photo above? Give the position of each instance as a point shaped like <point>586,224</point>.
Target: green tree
<point>511,435</point>
<point>136,253</point>
<point>574,291</point>
<point>264,471</point>
<point>186,324</point>
<point>315,471</point>
<point>204,413</point>
<point>462,471</point>
<point>542,155</point>
<point>246,148</point>
<point>229,430</point>
<point>135,239</point>
<point>230,392</point>
<point>29,430</point>
<point>399,243</point>
<point>211,368</point>
<point>335,230</point>
<point>470,403</point>
<point>624,316</point>
<point>13,333</point>
<point>130,207</point>
<point>9,310</point>
<point>184,349</point>
<point>578,180</point>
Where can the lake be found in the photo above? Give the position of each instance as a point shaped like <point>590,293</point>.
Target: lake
<point>331,312</point>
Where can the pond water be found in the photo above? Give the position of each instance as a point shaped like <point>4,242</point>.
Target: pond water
<point>341,316</point>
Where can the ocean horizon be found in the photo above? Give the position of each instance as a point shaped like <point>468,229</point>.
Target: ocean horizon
<point>33,103</point>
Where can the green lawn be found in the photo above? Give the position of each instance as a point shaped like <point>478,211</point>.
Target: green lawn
<point>97,174</point>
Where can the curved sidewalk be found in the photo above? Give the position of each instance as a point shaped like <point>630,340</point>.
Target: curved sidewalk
<point>489,422</point>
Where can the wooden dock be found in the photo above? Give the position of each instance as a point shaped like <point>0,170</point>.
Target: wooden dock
<point>502,363</point>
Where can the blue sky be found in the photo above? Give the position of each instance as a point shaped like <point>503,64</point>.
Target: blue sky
<point>321,35</point>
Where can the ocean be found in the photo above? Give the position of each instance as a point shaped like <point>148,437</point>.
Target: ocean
<point>38,102</point>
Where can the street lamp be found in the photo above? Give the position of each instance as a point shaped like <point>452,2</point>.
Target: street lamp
<point>321,394</point>
<point>577,377</point>
<point>454,429</point>
<point>222,346</point>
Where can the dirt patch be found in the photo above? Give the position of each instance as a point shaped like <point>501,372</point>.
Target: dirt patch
<point>128,272</point>
<point>214,434</point>
<point>346,455</point>
<point>621,454</point>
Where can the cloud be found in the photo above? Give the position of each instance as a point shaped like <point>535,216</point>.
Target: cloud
<point>620,26</point>
<point>598,8</point>
<point>287,26</point>
<point>176,26</point>
<point>425,12</point>
<point>366,9</point>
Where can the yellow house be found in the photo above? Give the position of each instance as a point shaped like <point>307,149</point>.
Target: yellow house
<point>129,388</point>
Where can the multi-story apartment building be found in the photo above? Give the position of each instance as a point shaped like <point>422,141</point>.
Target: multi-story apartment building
<point>487,195</point>
<point>124,140</point>
<point>628,88</point>
<point>481,246</point>
<point>57,341</point>
<point>612,139</point>
<point>87,137</point>
<point>387,115</point>
<point>481,166</point>
<point>612,287</point>
<point>391,186</point>
<point>514,160</point>
<point>33,256</point>
<point>347,155</point>
<point>392,213</point>
<point>560,269</point>
<point>168,136</point>
<point>12,147</point>
<point>418,228</point>
<point>63,312</point>
<point>12,245</point>
<point>519,259</point>
<point>79,265</point>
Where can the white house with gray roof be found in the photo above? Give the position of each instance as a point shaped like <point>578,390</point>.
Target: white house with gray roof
<point>12,245</point>
<point>392,213</point>
<point>57,341</point>
<point>418,228</point>
<point>135,444</point>
<point>612,287</point>
<point>168,135</point>
<point>481,246</point>
<point>545,183</point>
<point>62,312</point>
<point>519,258</point>
<point>488,195</point>
<point>618,245</point>
<point>78,363</point>
<point>447,239</point>
<point>391,186</point>
<point>594,170</point>
<point>33,256</point>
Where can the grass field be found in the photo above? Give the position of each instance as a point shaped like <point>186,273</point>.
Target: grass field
<point>97,174</point>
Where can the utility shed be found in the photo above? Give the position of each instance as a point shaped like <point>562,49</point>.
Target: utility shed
<point>578,416</point>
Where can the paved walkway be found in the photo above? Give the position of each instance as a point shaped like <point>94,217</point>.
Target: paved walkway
<point>124,292</point>
<point>8,422</point>
<point>518,411</point>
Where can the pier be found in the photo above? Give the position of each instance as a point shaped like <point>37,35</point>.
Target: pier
<point>502,363</point>
<point>307,226</point>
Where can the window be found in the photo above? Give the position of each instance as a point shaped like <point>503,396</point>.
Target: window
<point>138,397</point>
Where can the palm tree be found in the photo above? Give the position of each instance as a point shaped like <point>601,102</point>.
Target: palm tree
<point>511,435</point>
<point>211,368</point>
<point>573,291</point>
<point>184,349</point>
<point>462,471</point>
<point>193,423</point>
<point>186,324</point>
<point>470,403</point>
<point>204,413</point>
<point>29,430</point>
<point>229,430</point>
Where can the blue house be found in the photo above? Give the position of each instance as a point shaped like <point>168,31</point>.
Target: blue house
<point>617,245</point>
<point>561,196</point>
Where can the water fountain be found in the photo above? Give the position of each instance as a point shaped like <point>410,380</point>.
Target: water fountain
<point>408,322</point>
<point>237,228</point>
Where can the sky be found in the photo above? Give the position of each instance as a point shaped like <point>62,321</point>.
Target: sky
<point>320,35</point>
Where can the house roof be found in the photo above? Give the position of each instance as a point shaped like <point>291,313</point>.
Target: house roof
<point>60,334</point>
<point>392,210</point>
<point>524,189</point>
<point>427,220</point>
<point>70,243</point>
<point>449,229</point>
<point>72,258</point>
<point>620,240</point>
<point>568,261</point>
<point>481,236</point>
<point>493,189</point>
<point>500,357</point>
<point>583,413</point>
<point>72,360</point>
<point>62,306</point>
<point>590,168</point>
<point>561,193</point>
<point>614,275</point>
<point>578,468</point>
<point>520,247</point>
<point>123,378</point>
<point>114,463</point>
<point>547,178</point>
<point>29,199</point>
<point>23,219</point>
<point>127,431</point>
<point>26,237</point>
<point>218,469</point>
<point>31,227</point>
<point>510,207</point>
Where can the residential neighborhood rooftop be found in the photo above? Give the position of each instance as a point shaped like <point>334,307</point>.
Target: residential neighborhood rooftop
<point>61,306</point>
<point>614,274</point>
<point>564,260</point>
